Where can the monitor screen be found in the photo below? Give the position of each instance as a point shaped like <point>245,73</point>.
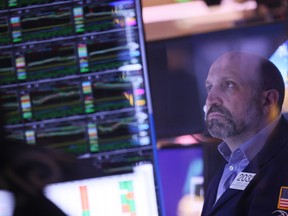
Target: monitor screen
<point>74,79</point>
<point>7,203</point>
<point>187,163</point>
<point>280,59</point>
<point>73,75</point>
<point>131,193</point>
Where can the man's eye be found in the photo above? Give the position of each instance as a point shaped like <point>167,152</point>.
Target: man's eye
<point>208,88</point>
<point>229,84</point>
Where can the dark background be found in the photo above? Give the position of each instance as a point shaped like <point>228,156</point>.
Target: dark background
<point>178,68</point>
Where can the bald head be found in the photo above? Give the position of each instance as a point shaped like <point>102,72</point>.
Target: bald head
<point>259,71</point>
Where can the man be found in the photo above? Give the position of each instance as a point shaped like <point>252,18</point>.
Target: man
<point>243,108</point>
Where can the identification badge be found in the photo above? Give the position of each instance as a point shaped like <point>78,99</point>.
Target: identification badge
<point>242,180</point>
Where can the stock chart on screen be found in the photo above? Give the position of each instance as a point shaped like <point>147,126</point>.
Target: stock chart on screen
<point>74,79</point>
<point>73,75</point>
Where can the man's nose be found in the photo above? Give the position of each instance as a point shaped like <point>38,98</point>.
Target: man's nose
<point>213,97</point>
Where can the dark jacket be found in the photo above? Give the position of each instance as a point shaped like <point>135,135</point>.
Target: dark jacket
<point>262,195</point>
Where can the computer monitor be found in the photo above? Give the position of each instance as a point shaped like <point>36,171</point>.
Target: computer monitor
<point>74,79</point>
<point>131,193</point>
<point>73,75</point>
<point>280,59</point>
<point>7,203</point>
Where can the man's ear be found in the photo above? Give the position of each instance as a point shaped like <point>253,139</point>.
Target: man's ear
<point>270,100</point>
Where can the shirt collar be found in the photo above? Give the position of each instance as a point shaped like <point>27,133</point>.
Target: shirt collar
<point>252,146</point>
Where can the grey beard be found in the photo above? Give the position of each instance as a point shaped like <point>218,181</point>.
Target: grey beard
<point>222,129</point>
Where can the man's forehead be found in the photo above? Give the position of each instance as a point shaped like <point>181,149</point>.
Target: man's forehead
<point>225,75</point>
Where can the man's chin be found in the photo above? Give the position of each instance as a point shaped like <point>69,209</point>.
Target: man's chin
<point>216,123</point>
<point>217,130</point>
<point>216,135</point>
